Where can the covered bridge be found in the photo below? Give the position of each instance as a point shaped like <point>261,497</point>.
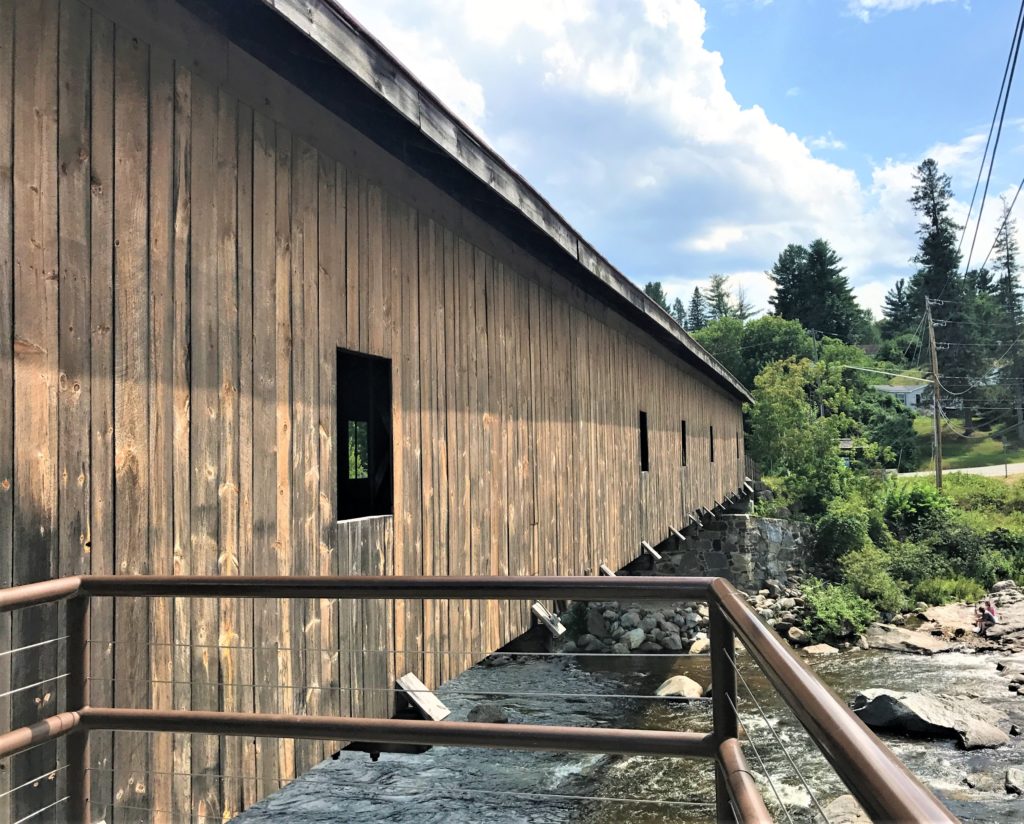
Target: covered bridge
<point>268,307</point>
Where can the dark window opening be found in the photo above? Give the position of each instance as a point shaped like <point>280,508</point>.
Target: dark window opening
<point>684,441</point>
<point>711,442</point>
<point>738,437</point>
<point>365,477</point>
<point>645,463</point>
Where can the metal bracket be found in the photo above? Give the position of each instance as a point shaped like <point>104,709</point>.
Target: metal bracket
<point>604,569</point>
<point>426,703</point>
<point>548,619</point>
<point>693,521</point>
<point>650,550</point>
<point>677,533</point>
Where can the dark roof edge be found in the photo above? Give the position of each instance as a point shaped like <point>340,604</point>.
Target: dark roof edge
<point>349,44</point>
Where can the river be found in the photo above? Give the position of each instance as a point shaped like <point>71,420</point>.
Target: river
<point>455,785</point>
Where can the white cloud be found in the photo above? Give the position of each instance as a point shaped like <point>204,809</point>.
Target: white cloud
<point>826,141</point>
<point>793,91</point>
<point>621,116</point>
<point>864,9</point>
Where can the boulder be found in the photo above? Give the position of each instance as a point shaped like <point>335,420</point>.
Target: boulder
<point>488,714</point>
<point>845,810</point>
<point>649,646</point>
<point>898,639</point>
<point>595,623</point>
<point>633,638</point>
<point>1001,586</point>
<point>585,641</point>
<point>630,619</point>
<point>620,649</point>
<point>940,716</point>
<point>1014,780</point>
<point>820,649</point>
<point>795,635</point>
<point>679,686</point>
<point>700,646</point>
<point>648,622</point>
<point>672,643</point>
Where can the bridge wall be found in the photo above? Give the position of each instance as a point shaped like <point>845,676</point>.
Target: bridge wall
<point>185,242</point>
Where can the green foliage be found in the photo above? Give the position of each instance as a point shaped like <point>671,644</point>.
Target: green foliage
<point>842,529</point>
<point>946,590</point>
<point>910,503</point>
<point>656,292</point>
<point>723,338</point>
<point>912,562</point>
<point>837,611</point>
<point>866,572</point>
<point>679,312</point>
<point>697,314</point>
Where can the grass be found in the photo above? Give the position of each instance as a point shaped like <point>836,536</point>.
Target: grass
<point>959,452</point>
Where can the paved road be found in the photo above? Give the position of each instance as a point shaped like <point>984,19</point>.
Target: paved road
<point>994,471</point>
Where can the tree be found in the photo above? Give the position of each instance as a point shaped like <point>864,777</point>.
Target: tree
<point>655,292</point>
<point>1010,301</point>
<point>898,316</point>
<point>810,287</point>
<point>723,338</point>
<point>718,299</point>
<point>697,315</point>
<point>679,312</point>
<point>937,258</point>
<point>743,308</point>
<point>770,339</point>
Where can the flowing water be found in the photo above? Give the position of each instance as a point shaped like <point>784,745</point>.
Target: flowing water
<point>456,785</point>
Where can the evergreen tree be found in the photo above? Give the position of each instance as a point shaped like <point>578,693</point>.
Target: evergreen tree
<point>1010,302</point>
<point>898,316</point>
<point>787,273</point>
<point>810,287</point>
<point>697,314</point>
<point>718,299</point>
<point>937,258</point>
<point>743,308</point>
<point>655,292</point>
<point>679,312</point>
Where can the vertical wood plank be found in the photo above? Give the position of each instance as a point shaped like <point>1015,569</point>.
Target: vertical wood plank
<point>6,358</point>
<point>101,446</point>
<point>205,436</point>
<point>35,376</point>
<point>161,412</point>
<point>266,549</point>
<point>181,481</point>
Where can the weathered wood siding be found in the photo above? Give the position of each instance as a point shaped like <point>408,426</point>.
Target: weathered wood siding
<point>184,243</point>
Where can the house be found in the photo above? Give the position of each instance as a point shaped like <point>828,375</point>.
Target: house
<point>910,396</point>
<point>267,307</point>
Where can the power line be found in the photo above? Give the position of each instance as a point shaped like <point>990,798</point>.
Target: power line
<point>1006,220</point>
<point>1014,52</point>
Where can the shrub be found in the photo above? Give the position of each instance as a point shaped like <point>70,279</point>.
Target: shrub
<point>914,562</point>
<point>910,504</point>
<point>974,492</point>
<point>867,574</point>
<point>837,610</point>
<point>842,529</point>
<point>945,590</point>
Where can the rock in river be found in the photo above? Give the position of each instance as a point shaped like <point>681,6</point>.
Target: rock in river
<point>898,639</point>
<point>488,714</point>
<point>679,686</point>
<point>845,810</point>
<point>820,649</point>
<point>940,716</point>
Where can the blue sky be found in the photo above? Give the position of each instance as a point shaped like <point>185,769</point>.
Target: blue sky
<point>688,137</point>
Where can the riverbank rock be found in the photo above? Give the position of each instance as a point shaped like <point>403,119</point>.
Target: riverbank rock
<point>821,649</point>
<point>899,639</point>
<point>845,810</point>
<point>488,714</point>
<point>976,725</point>
<point>1014,781</point>
<point>700,646</point>
<point>679,686</point>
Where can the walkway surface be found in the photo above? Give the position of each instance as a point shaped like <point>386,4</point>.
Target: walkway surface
<point>996,470</point>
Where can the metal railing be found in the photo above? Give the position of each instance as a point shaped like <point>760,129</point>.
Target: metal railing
<point>884,787</point>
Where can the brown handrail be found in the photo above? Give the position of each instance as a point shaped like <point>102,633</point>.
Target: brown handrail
<point>885,788</point>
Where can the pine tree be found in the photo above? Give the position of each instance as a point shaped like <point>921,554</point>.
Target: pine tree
<point>743,308</point>
<point>810,287</point>
<point>897,313</point>
<point>718,299</point>
<point>656,293</point>
<point>1010,301</point>
<point>937,258</point>
<point>697,314</point>
<point>679,312</point>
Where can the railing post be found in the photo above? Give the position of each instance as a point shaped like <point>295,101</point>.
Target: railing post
<point>723,698</point>
<point>78,697</point>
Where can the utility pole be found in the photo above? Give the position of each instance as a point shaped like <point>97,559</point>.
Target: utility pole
<point>936,401</point>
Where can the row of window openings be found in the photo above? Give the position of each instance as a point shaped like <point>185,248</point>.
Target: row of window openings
<point>645,455</point>
<point>365,482</point>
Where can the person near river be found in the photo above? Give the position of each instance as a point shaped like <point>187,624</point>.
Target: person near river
<point>987,617</point>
